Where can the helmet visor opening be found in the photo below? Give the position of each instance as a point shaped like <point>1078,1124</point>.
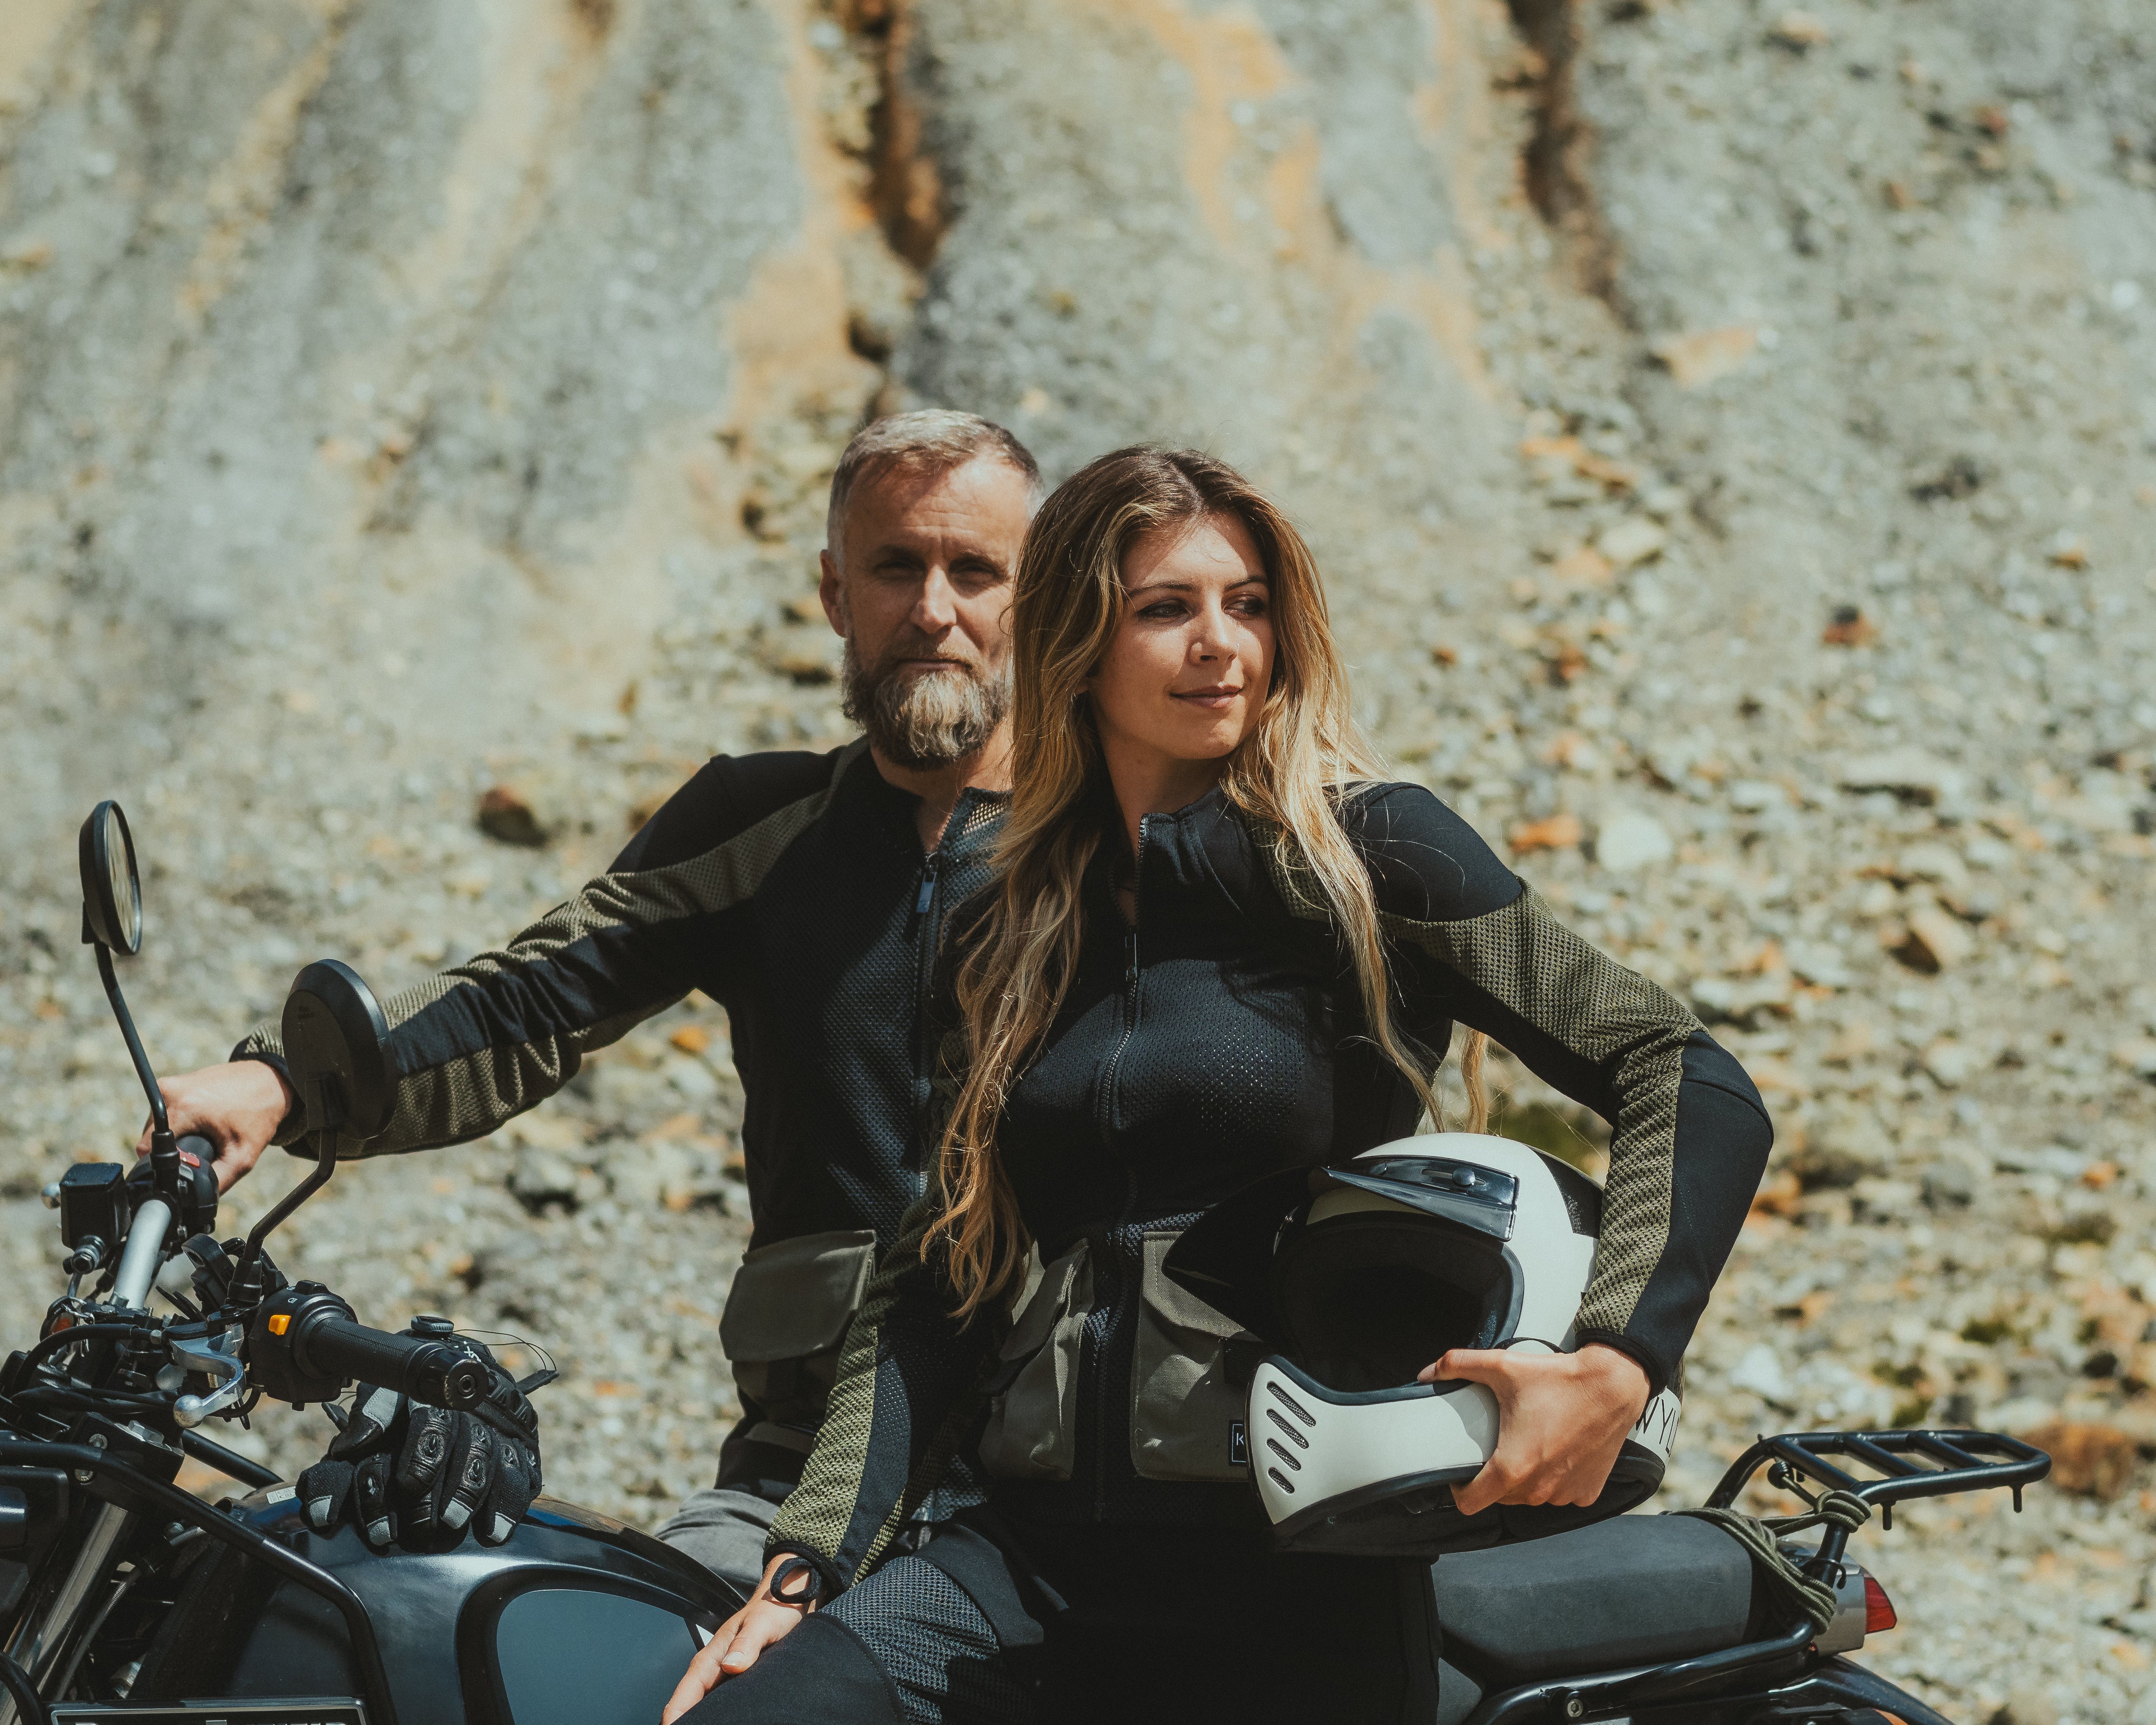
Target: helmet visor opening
<point>1367,1300</point>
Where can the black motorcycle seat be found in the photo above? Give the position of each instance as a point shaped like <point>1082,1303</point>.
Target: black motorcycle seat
<point>1633,1590</point>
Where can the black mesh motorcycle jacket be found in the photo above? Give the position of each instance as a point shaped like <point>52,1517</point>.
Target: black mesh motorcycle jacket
<point>1217,1041</point>
<point>789,887</point>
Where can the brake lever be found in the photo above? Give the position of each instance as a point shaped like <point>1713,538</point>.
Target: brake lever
<point>213,1357</point>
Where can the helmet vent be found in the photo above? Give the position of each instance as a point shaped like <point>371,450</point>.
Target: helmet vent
<point>1273,1444</point>
<point>1294,1436</point>
<point>1280,1479</point>
<point>1292,1404</point>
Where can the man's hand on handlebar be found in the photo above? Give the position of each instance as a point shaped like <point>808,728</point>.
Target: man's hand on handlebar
<point>237,1106</point>
<point>1562,1419</point>
<point>402,1470</point>
<point>760,1624</point>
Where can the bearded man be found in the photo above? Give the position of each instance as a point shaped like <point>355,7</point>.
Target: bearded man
<point>806,894</point>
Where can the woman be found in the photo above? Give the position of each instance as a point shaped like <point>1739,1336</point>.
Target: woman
<point>1218,948</point>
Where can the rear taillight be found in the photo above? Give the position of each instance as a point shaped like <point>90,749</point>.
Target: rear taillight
<point>1878,1608</point>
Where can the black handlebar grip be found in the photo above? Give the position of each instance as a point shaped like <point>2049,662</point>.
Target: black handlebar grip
<point>427,1370</point>
<point>197,1174</point>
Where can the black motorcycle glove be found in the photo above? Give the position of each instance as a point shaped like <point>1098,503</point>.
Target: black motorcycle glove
<point>401,1469</point>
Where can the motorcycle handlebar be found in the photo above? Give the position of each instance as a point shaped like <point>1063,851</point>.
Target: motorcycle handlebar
<point>422,1367</point>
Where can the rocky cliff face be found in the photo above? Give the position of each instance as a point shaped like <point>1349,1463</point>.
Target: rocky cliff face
<point>1728,431</point>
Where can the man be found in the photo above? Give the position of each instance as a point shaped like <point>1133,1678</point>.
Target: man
<point>805,893</point>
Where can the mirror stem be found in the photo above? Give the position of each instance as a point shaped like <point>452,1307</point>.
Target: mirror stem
<point>329,1108</point>
<point>161,1128</point>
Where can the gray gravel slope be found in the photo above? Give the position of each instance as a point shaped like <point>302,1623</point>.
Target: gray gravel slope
<point>396,405</point>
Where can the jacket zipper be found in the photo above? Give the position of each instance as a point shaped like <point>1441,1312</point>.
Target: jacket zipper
<point>925,923</point>
<point>1130,994</point>
<point>1104,1412</point>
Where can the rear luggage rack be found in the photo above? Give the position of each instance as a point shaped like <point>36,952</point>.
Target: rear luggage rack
<point>1961,1461</point>
<point>1906,1463</point>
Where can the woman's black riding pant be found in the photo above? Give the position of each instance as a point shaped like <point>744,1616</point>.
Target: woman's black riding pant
<point>1001,1623</point>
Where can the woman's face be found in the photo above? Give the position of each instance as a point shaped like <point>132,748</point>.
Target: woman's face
<point>1186,675</point>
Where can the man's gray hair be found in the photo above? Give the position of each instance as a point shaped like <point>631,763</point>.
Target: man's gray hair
<point>933,440</point>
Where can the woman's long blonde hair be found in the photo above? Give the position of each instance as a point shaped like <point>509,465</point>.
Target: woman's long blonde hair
<point>1287,774</point>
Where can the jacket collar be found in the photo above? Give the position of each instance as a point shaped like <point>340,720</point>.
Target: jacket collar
<point>863,791</point>
<point>1205,848</point>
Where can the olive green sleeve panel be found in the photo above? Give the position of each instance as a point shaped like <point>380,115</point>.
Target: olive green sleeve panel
<point>1604,1035</point>
<point>1469,941</point>
<point>905,1397</point>
<point>478,1043</point>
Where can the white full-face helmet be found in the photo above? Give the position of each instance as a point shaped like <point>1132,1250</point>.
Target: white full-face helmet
<point>1357,1276</point>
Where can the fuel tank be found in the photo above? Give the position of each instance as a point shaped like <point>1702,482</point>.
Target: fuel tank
<point>575,1618</point>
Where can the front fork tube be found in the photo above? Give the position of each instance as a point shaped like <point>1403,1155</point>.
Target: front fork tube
<point>41,1639</point>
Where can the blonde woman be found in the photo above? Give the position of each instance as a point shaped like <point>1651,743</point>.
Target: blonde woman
<point>1216,945</point>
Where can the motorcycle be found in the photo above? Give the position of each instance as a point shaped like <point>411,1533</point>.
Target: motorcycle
<point>124,1597</point>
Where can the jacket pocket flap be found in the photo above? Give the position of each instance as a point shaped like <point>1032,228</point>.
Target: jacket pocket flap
<point>1031,1431</point>
<point>795,1297</point>
<point>1051,1296</point>
<point>1187,1409</point>
<point>1174,1302</point>
<point>1050,1300</point>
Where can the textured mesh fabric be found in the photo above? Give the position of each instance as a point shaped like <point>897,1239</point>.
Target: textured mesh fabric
<point>1556,996</point>
<point>1222,1042</point>
<point>788,887</point>
<point>458,1082</point>
<point>1533,965</point>
<point>933,1643</point>
<point>897,1414</point>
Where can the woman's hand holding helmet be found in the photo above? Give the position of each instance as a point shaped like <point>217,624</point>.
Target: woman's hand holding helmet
<point>1562,1419</point>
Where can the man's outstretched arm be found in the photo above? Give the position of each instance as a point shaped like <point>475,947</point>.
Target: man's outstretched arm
<point>480,1043</point>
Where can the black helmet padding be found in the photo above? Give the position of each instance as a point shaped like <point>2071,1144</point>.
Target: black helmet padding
<point>1366,1300</point>
<point>1226,1256</point>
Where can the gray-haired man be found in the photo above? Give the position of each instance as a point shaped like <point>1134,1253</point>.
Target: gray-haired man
<point>804,893</point>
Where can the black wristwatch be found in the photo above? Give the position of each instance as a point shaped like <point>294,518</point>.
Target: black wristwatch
<point>795,1568</point>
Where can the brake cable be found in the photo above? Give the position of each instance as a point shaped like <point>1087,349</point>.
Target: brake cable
<point>61,1340</point>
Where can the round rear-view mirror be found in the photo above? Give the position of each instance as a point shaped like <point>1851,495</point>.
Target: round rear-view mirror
<point>336,1051</point>
<point>111,890</point>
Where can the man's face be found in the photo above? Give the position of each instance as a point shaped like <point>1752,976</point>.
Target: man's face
<point>923,600</point>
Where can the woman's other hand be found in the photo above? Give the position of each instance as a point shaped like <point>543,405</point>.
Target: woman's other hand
<point>758,1624</point>
<point>1562,1419</point>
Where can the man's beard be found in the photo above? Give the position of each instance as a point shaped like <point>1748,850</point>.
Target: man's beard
<point>923,719</point>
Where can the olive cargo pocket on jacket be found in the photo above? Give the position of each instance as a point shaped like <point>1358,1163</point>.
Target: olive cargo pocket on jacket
<point>1032,1429</point>
<point>786,1318</point>
<point>1186,1415</point>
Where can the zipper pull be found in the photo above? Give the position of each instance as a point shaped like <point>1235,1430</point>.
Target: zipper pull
<point>1131,958</point>
<point>927,887</point>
